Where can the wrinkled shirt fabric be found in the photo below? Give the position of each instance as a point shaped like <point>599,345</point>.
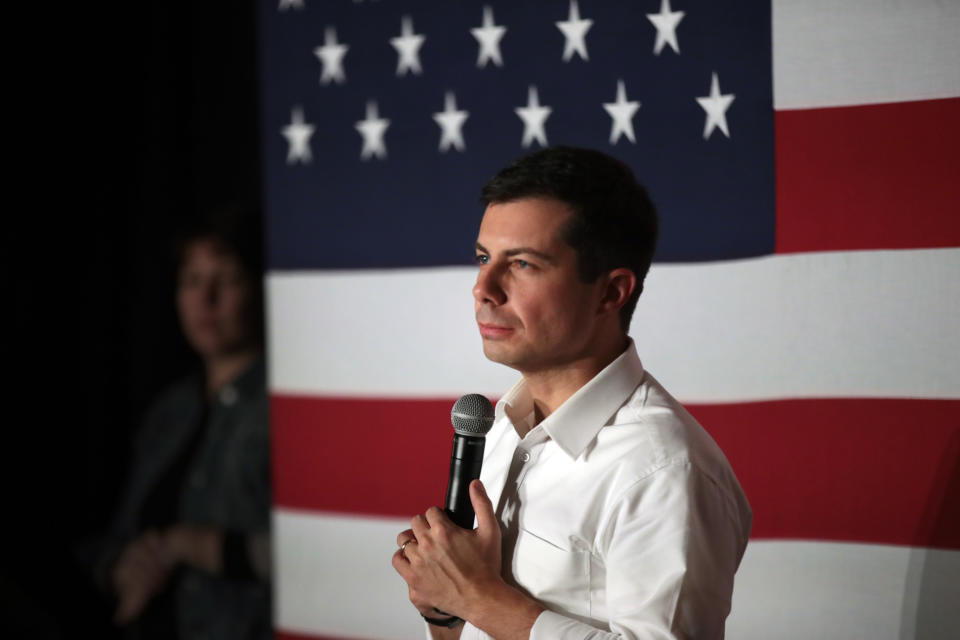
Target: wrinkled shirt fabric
<point>619,513</point>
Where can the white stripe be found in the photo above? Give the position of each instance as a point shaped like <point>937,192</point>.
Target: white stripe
<point>861,324</point>
<point>333,577</point>
<point>802,590</point>
<point>847,52</point>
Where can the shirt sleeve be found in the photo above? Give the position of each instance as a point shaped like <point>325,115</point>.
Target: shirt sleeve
<point>670,547</point>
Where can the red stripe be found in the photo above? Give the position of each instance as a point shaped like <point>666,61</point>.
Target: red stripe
<point>871,470</point>
<point>375,457</point>
<point>868,177</point>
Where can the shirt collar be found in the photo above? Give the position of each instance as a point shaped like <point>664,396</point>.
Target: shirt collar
<point>577,421</point>
<point>252,380</point>
<point>247,384</point>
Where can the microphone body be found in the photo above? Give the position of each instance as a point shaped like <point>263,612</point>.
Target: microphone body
<point>472,417</point>
<point>465,461</point>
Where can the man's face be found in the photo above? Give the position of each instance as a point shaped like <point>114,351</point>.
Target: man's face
<point>533,312</point>
<point>214,300</point>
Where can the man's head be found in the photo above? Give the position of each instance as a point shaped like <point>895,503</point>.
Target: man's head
<point>613,222</point>
<point>219,282</point>
<point>564,244</point>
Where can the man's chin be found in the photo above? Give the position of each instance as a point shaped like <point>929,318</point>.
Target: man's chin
<point>496,351</point>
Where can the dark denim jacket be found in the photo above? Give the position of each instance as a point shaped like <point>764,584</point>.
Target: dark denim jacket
<point>227,485</point>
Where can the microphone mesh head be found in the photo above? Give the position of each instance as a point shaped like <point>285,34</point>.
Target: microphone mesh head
<point>472,415</point>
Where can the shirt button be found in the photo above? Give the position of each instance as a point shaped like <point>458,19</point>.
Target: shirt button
<point>228,395</point>
<point>525,456</point>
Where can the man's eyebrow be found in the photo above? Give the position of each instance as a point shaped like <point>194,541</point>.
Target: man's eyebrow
<point>521,251</point>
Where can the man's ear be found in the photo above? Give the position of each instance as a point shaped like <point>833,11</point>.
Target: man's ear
<point>619,284</point>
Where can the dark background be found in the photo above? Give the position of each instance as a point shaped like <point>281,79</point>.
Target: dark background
<point>149,114</point>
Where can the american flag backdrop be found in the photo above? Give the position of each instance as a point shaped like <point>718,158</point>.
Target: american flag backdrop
<point>805,160</point>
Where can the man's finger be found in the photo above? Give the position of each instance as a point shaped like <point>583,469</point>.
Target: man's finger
<point>139,564</point>
<point>419,525</point>
<point>131,604</point>
<point>400,563</point>
<point>123,613</point>
<point>153,542</point>
<point>486,518</point>
<point>403,536</point>
<point>435,516</point>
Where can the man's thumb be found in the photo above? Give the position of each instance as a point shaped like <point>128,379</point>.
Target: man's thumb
<point>486,519</point>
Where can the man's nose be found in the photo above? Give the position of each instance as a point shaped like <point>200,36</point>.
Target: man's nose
<point>211,293</point>
<point>488,288</point>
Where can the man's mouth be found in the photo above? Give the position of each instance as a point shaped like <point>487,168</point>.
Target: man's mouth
<point>490,330</point>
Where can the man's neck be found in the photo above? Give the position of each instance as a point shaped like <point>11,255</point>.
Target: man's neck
<point>550,388</point>
<point>222,369</point>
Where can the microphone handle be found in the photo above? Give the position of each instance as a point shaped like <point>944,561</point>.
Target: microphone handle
<point>465,461</point>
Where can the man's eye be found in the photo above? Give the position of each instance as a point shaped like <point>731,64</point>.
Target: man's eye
<point>522,264</point>
<point>189,280</point>
<point>482,259</point>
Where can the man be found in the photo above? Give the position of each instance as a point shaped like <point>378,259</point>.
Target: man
<point>188,551</point>
<point>611,512</point>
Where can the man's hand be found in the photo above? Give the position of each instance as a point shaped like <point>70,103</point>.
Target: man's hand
<point>458,571</point>
<point>198,546</point>
<point>445,566</point>
<point>139,574</point>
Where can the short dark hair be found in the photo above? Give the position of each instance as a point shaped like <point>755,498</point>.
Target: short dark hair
<point>614,222</point>
<point>237,229</point>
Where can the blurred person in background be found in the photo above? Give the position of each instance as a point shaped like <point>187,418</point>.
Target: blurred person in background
<point>188,551</point>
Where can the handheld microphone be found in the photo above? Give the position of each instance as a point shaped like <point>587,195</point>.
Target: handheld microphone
<point>472,417</point>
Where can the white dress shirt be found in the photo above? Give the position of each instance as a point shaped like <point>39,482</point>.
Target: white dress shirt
<point>619,513</point>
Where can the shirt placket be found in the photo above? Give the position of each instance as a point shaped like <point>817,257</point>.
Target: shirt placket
<point>525,456</point>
